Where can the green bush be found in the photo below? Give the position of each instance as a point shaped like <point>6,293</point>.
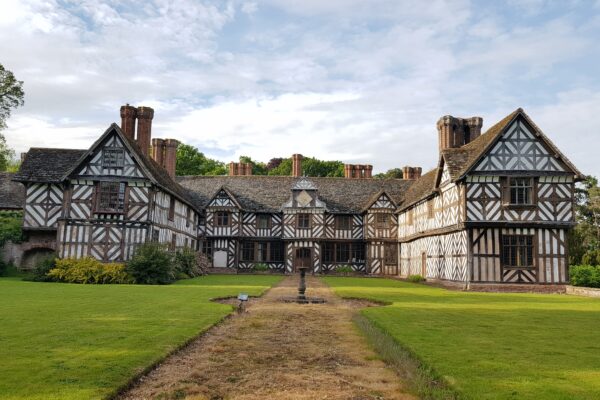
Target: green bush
<point>415,278</point>
<point>344,269</point>
<point>88,270</point>
<point>42,268</point>
<point>10,227</point>
<point>3,268</point>
<point>186,263</point>
<point>585,275</point>
<point>591,257</point>
<point>260,267</point>
<point>152,264</point>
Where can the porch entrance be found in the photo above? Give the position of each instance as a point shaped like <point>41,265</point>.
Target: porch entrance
<point>302,258</point>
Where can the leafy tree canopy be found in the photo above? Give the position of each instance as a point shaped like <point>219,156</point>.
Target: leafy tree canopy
<point>584,240</point>
<point>11,94</point>
<point>390,173</point>
<point>190,161</point>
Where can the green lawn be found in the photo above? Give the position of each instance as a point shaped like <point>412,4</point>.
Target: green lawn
<point>67,341</point>
<point>489,345</point>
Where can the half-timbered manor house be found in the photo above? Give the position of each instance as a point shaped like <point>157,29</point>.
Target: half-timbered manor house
<point>497,207</point>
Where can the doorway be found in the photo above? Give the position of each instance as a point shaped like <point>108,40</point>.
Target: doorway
<point>302,258</point>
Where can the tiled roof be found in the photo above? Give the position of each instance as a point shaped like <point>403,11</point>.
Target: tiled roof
<point>47,165</point>
<point>420,189</point>
<point>12,194</point>
<point>269,193</point>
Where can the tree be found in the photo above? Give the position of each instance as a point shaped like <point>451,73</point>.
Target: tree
<point>310,167</point>
<point>258,168</point>
<point>390,173</point>
<point>584,239</point>
<point>6,154</point>
<point>11,94</point>
<point>190,161</point>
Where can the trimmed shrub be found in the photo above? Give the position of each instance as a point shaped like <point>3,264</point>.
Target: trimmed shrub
<point>585,275</point>
<point>415,278</point>
<point>186,264</point>
<point>42,268</point>
<point>88,270</point>
<point>10,227</point>
<point>260,267</point>
<point>152,264</point>
<point>344,269</point>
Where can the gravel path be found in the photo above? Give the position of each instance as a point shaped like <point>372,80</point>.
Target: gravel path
<point>278,350</point>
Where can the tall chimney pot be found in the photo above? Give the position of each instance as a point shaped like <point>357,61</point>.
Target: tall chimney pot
<point>144,128</point>
<point>170,160</point>
<point>128,115</point>
<point>296,165</point>
<point>158,151</point>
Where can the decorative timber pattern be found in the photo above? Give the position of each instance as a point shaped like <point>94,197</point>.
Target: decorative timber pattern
<point>519,150</point>
<point>43,205</point>
<point>436,257</point>
<point>95,166</point>
<point>549,261</point>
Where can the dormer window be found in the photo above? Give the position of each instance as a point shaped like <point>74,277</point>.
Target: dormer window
<point>344,222</point>
<point>263,221</point>
<point>222,218</point>
<point>382,221</point>
<point>113,158</point>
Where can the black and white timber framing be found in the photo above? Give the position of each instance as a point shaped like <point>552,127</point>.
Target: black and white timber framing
<point>497,208</point>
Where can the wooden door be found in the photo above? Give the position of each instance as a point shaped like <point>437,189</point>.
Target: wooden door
<point>302,258</point>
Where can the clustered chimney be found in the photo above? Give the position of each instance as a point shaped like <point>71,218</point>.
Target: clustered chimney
<point>358,171</point>
<point>456,132</point>
<point>164,151</point>
<point>411,173</point>
<point>239,169</point>
<point>296,165</point>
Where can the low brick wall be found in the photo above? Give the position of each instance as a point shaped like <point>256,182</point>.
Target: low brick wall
<point>516,288</point>
<point>583,291</point>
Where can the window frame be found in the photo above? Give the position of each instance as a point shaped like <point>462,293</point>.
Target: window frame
<point>332,251</point>
<point>121,197</point>
<point>347,225</point>
<point>263,217</point>
<point>530,191</point>
<point>111,163</point>
<point>219,216</point>
<point>171,208</point>
<point>306,217</point>
<point>382,224</point>
<point>520,248</point>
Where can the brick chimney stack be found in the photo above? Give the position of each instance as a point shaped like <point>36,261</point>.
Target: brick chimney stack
<point>240,169</point>
<point>358,171</point>
<point>411,173</point>
<point>128,116</point>
<point>170,156</point>
<point>296,165</point>
<point>144,128</point>
<point>158,151</point>
<point>456,132</point>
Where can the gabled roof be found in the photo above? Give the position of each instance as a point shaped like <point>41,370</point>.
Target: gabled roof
<point>47,165</point>
<point>461,160</point>
<point>157,174</point>
<point>270,193</point>
<point>12,194</point>
<point>376,197</point>
<point>229,194</point>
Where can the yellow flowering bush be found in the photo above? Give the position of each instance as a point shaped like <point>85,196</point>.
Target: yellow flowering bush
<point>88,270</point>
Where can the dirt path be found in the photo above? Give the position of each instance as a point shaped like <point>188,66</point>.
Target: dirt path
<point>277,350</point>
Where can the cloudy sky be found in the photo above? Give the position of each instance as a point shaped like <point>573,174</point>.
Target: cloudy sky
<point>356,80</point>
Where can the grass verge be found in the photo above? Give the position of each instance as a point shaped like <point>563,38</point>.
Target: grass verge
<point>69,341</point>
<point>491,345</point>
<point>422,379</point>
